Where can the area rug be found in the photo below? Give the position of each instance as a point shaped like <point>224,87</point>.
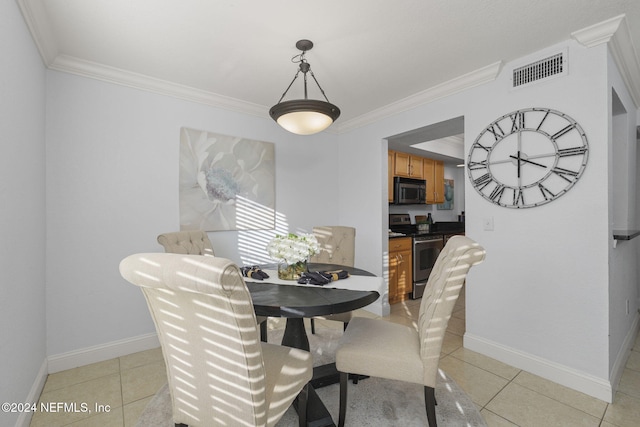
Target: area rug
<point>371,402</point>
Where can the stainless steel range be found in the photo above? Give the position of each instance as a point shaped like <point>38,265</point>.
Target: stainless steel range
<point>426,248</point>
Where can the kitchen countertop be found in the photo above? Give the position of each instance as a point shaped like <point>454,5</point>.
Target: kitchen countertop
<point>432,234</point>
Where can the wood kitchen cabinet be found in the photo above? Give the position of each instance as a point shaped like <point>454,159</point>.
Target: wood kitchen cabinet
<point>408,166</point>
<point>400,269</point>
<point>434,174</point>
<point>390,161</point>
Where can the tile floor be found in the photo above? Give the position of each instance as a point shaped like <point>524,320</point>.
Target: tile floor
<point>506,396</point>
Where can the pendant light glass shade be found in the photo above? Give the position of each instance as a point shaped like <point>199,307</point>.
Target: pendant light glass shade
<point>304,116</point>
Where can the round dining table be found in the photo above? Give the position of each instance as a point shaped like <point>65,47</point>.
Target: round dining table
<point>295,302</point>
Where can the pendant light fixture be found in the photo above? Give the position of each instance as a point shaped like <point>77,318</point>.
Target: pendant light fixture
<point>304,116</point>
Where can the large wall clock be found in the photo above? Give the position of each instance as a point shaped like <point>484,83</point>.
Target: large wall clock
<point>528,158</point>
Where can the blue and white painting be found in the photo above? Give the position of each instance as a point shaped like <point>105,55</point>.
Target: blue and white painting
<point>226,182</point>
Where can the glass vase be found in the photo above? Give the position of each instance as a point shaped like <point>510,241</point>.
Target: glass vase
<point>291,271</point>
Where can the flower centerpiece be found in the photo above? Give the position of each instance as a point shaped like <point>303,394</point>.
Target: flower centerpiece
<point>292,252</point>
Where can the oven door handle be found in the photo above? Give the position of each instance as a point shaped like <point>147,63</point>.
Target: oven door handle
<point>419,242</point>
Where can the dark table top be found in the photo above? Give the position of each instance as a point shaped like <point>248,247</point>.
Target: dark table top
<point>274,300</point>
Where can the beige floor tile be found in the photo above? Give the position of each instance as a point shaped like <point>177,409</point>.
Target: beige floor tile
<point>634,361</point>
<point>133,410</point>
<point>459,313</point>
<point>457,326</point>
<point>365,313</point>
<point>112,418</point>
<point>451,343</point>
<point>479,384</point>
<point>624,411</point>
<point>141,358</point>
<point>527,408</point>
<point>488,364</point>
<point>406,308</point>
<point>494,420</point>
<point>630,383</point>
<point>575,399</point>
<point>81,374</point>
<point>100,391</point>
<point>142,381</point>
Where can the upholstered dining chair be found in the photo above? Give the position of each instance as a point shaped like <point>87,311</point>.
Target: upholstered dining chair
<point>219,372</point>
<point>408,354</point>
<point>337,246</point>
<point>197,243</point>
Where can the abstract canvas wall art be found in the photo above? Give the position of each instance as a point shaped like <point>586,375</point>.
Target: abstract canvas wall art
<point>448,196</point>
<point>226,182</point>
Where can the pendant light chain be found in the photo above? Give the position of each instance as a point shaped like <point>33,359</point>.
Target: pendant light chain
<point>304,116</point>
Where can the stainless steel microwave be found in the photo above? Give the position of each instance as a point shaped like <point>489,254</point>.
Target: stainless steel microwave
<point>409,191</point>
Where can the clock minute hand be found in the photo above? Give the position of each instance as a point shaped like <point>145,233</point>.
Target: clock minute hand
<point>528,161</point>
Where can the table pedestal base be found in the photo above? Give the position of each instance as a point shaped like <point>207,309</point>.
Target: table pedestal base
<point>295,336</point>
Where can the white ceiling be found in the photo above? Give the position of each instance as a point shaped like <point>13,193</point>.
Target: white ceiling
<point>368,54</point>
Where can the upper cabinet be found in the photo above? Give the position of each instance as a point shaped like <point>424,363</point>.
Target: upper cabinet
<point>434,174</point>
<point>410,166</point>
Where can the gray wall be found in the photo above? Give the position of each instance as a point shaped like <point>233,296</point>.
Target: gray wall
<point>22,215</point>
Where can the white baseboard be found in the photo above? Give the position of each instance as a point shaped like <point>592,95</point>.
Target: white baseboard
<point>623,355</point>
<point>99,353</point>
<point>599,388</point>
<point>24,419</point>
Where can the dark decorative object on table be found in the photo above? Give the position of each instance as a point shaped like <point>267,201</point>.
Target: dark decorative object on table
<point>254,272</point>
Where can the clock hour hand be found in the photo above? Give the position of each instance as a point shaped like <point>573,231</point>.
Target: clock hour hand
<point>520,159</point>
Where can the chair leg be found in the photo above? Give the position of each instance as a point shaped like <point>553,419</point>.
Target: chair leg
<point>344,381</point>
<point>344,327</point>
<point>313,326</point>
<point>430,403</point>
<point>263,331</point>
<point>302,406</point>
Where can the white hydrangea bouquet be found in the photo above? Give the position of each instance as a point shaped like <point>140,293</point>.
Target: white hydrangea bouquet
<point>292,252</point>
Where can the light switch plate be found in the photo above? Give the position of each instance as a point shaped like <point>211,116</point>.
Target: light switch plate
<point>487,223</point>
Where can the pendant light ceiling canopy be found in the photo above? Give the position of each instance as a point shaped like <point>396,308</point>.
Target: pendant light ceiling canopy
<point>304,116</point>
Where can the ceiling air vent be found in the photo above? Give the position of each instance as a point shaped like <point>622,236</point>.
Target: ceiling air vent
<point>552,66</point>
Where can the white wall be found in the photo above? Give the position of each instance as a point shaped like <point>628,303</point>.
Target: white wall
<point>22,219</point>
<point>112,176</point>
<point>623,255</point>
<point>540,300</point>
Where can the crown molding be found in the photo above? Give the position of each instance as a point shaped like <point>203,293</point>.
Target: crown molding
<point>141,81</point>
<point>615,32</point>
<point>458,84</point>
<point>36,19</point>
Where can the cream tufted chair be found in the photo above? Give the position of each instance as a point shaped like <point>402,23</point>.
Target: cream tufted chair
<point>337,246</point>
<point>218,371</point>
<point>408,354</point>
<point>198,243</point>
<point>186,242</point>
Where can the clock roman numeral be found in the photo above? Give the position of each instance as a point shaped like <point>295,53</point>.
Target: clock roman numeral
<point>575,151</point>
<point>477,165</point>
<point>478,145</point>
<point>483,179</point>
<point>545,192</point>
<point>563,131</point>
<point>566,174</point>
<point>497,131</point>
<point>517,121</point>
<point>496,194</point>
<point>542,121</point>
<point>518,197</point>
